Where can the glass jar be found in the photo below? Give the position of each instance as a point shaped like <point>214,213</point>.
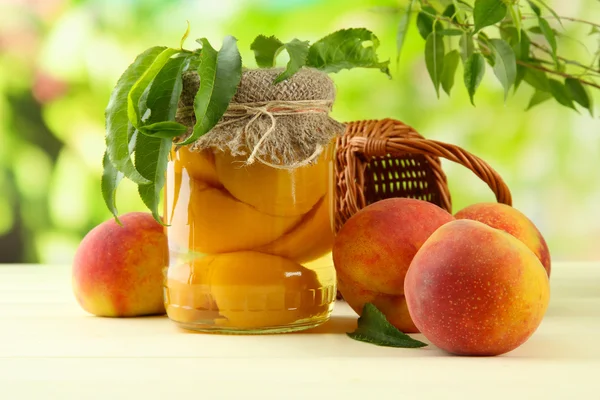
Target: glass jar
<point>250,245</point>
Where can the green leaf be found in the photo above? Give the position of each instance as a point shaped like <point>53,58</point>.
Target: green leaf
<point>561,94</point>
<point>450,12</point>
<point>535,8</point>
<point>464,3</point>
<point>220,74</point>
<point>578,93</point>
<point>460,15</point>
<point>485,47</point>
<point>298,52</point>
<point>521,70</point>
<point>473,74</point>
<point>402,29</point>
<point>194,60</point>
<point>118,126</point>
<point>505,66</point>
<point>466,46</point>
<point>373,327</point>
<point>142,84</point>
<point>549,35</point>
<point>163,95</point>
<point>519,43</point>
<point>164,129</point>
<point>509,33</point>
<point>537,79</point>
<point>151,158</point>
<point>546,6</point>
<point>153,146</point>
<point>434,59</point>
<point>535,30</point>
<point>450,64</point>
<point>111,177</point>
<point>426,20</point>
<point>515,15</point>
<point>110,180</point>
<point>265,50</point>
<point>537,98</point>
<point>346,48</point>
<point>522,50</point>
<point>488,12</point>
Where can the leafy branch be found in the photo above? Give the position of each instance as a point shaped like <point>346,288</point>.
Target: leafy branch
<point>588,68</point>
<point>559,73</point>
<point>141,126</point>
<point>525,49</point>
<point>567,19</point>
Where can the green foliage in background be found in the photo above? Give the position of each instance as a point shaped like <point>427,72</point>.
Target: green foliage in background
<point>60,60</point>
<point>525,49</point>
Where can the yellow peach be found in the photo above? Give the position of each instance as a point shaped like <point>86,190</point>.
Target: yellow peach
<point>187,294</point>
<point>199,165</point>
<point>311,239</point>
<point>256,290</point>
<point>209,220</point>
<point>275,191</point>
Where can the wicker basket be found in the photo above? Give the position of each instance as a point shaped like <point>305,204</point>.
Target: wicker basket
<point>380,159</point>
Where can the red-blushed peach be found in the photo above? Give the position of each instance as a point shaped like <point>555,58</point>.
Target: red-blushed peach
<point>476,290</point>
<point>117,270</point>
<point>513,221</point>
<point>374,248</point>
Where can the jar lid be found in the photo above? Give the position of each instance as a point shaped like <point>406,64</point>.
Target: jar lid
<point>257,85</point>
<point>285,124</point>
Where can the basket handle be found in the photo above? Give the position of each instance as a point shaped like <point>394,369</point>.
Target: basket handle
<point>371,147</point>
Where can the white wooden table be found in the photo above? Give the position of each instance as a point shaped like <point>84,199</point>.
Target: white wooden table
<point>51,349</point>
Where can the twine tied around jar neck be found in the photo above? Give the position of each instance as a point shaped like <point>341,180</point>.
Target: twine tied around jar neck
<point>284,125</point>
<point>237,112</point>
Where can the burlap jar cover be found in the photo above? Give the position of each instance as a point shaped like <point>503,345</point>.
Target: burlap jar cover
<point>284,125</point>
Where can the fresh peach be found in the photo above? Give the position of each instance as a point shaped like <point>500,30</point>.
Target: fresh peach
<point>476,290</point>
<point>513,221</point>
<point>118,270</point>
<point>374,248</point>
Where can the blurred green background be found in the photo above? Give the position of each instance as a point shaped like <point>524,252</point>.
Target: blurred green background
<point>60,59</point>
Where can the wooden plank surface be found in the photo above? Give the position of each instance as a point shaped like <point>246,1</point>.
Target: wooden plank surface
<point>51,349</point>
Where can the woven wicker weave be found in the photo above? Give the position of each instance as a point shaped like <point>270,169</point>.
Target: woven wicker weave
<point>379,159</point>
